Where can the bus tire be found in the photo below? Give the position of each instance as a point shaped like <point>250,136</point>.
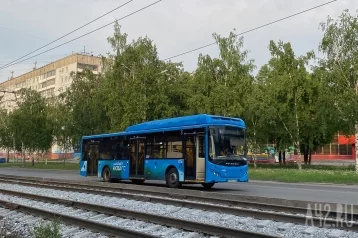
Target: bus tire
<point>106,175</point>
<point>172,178</point>
<point>207,185</point>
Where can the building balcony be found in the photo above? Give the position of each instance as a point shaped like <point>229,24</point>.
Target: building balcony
<point>46,88</point>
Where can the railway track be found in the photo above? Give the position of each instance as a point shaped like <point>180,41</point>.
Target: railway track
<point>114,221</point>
<point>234,207</point>
<point>219,205</point>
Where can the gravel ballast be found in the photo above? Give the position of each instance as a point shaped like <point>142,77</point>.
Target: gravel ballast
<point>15,224</point>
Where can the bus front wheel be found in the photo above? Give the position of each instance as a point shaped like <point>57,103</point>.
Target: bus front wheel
<point>106,175</point>
<point>207,185</point>
<point>172,178</point>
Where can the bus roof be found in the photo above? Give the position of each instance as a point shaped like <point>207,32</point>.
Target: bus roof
<point>178,123</point>
<point>185,121</point>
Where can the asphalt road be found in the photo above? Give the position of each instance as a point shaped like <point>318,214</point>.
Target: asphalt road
<point>347,194</point>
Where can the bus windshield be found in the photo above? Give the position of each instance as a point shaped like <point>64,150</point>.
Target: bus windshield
<point>227,143</point>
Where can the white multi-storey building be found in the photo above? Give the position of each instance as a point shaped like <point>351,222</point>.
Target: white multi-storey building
<point>49,80</point>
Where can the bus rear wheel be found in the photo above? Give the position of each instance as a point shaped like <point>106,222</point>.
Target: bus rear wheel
<point>172,178</point>
<point>207,185</point>
<point>106,175</point>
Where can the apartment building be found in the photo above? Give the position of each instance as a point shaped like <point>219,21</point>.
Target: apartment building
<point>49,80</point>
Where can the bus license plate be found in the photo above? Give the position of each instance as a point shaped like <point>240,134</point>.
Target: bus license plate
<point>232,181</point>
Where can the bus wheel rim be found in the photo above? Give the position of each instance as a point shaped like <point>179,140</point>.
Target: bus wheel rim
<point>173,178</point>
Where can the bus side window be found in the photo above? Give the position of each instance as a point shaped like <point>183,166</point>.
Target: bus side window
<point>155,147</point>
<point>174,144</point>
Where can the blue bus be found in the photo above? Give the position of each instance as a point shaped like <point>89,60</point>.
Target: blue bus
<point>198,149</point>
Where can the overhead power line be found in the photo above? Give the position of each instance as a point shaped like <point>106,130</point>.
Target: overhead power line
<point>254,29</point>
<point>141,9</point>
<point>69,33</point>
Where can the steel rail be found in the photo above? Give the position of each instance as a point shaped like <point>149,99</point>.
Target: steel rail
<point>196,202</point>
<point>205,228</point>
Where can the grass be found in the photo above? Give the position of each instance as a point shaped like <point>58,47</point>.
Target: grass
<point>305,167</point>
<point>48,230</point>
<point>42,165</point>
<point>307,175</point>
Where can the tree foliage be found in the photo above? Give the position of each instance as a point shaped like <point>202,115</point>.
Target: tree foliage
<point>222,85</point>
<point>340,46</point>
<point>29,123</point>
<point>84,112</point>
<point>5,133</point>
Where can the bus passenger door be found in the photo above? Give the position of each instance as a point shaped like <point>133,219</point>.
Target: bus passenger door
<point>137,156</point>
<point>190,157</point>
<point>200,155</point>
<point>92,163</point>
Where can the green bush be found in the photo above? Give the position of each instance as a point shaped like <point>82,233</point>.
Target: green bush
<point>48,230</point>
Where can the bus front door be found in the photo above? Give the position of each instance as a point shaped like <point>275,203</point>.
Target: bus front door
<point>190,157</point>
<point>137,156</point>
<point>200,158</point>
<point>92,164</point>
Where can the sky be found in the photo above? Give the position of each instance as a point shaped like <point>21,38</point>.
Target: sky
<point>175,26</point>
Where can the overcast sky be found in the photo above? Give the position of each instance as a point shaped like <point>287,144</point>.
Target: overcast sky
<point>175,26</point>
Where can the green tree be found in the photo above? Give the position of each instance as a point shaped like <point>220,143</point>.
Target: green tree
<point>340,46</point>
<point>6,140</point>
<point>60,114</point>
<point>30,124</point>
<point>221,85</point>
<point>287,94</point>
<point>255,117</point>
<point>138,85</point>
<point>320,114</point>
<point>84,109</point>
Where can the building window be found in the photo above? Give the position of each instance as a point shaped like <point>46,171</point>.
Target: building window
<point>334,149</point>
<point>349,150</point>
<point>49,74</point>
<point>343,149</point>
<point>48,83</point>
